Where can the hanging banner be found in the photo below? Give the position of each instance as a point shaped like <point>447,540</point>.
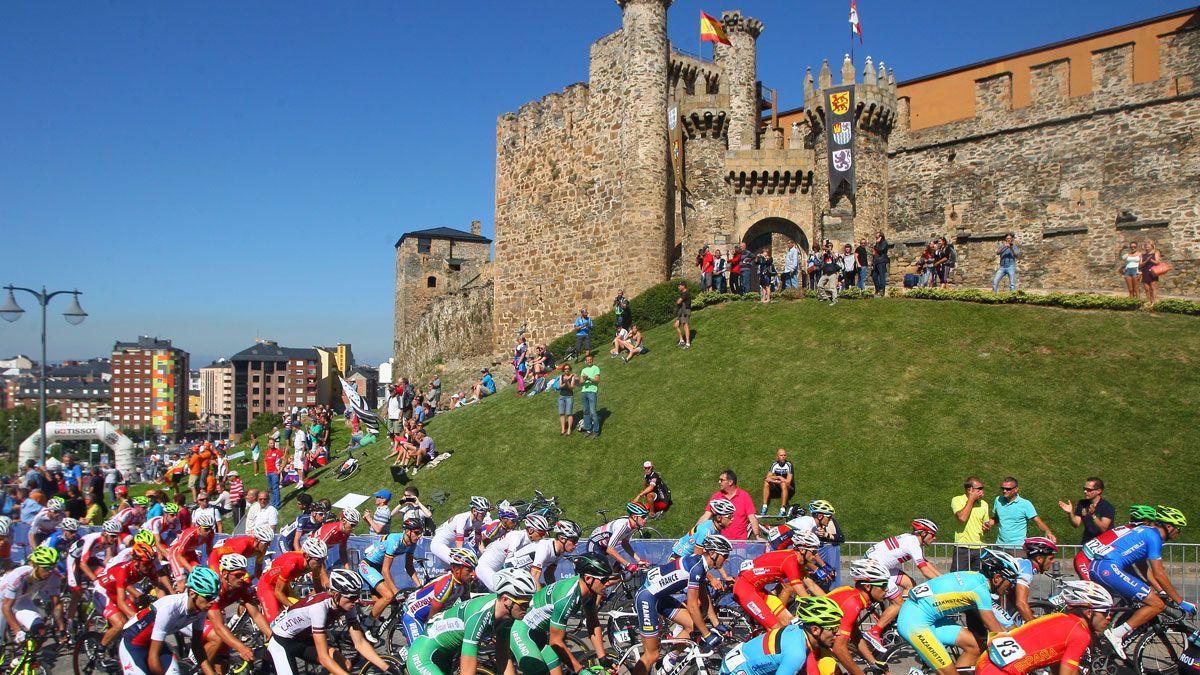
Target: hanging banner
<point>839,136</point>
<point>675,133</point>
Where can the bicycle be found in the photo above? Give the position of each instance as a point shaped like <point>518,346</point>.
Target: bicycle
<point>541,505</point>
<point>31,656</point>
<point>644,532</point>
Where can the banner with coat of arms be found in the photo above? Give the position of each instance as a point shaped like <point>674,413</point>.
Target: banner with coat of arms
<point>839,136</point>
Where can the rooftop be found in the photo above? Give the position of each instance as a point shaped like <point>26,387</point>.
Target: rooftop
<point>78,390</point>
<point>219,363</point>
<point>143,342</point>
<point>270,351</point>
<point>444,233</point>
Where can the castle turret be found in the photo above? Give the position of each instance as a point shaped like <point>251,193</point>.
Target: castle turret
<point>740,61</point>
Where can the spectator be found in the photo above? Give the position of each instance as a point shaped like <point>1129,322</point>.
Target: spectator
<point>380,520</point>
<point>521,364</point>
<point>267,514</point>
<point>735,271</point>
<point>486,386</point>
<point>111,478</point>
<point>184,517</point>
<point>743,521</point>
<point>272,464</point>
<point>814,267</point>
<point>203,506</point>
<point>622,315</point>
<point>849,267</point>
<point>237,496</point>
<point>830,267</point>
<point>423,452</point>
<point>395,413</point>
<point>300,446</point>
<point>720,268</point>
<point>72,472</point>
<point>634,343</point>
<point>1093,511</point>
<point>275,434</point>
<point>766,275</point>
<point>791,266</point>
<point>780,482</point>
<point>254,452</point>
<point>410,506</point>
<point>1131,263</point>
<point>589,386</point>
<point>253,508</point>
<point>567,381</point>
<point>925,265</point>
<point>434,394</point>
<point>406,398</point>
<point>93,513</point>
<point>222,503</point>
<point>31,504</point>
<point>971,511</point>
<point>879,264</point>
<point>33,475</point>
<point>583,335</point>
<point>1011,514</point>
<point>946,262</point>
<point>1151,256</point>
<point>1009,253</point>
<point>655,496</point>
<point>683,316</point>
<point>827,529</point>
<point>618,343</point>
<point>707,264</point>
<point>747,267</point>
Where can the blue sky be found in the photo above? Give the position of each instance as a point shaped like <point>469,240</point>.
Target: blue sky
<point>212,172</point>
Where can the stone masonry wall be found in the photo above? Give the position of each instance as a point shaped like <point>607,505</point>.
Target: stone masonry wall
<point>454,325</point>
<point>413,269</point>
<point>1061,173</point>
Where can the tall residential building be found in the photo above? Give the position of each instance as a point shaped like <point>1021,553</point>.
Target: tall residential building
<point>216,389</point>
<point>149,386</point>
<point>270,378</point>
<point>76,401</point>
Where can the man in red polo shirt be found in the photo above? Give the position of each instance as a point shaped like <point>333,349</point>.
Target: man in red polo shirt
<point>271,462</point>
<point>744,519</point>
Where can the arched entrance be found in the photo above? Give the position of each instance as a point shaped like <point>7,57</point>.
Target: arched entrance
<point>777,235</point>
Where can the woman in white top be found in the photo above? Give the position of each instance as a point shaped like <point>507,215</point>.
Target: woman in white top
<point>1132,259</point>
<point>849,267</point>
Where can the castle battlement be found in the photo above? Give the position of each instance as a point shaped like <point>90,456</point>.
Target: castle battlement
<point>875,101</point>
<point>556,110</point>
<point>692,76</point>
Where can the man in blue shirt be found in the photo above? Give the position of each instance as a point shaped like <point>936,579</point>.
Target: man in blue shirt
<point>583,334</point>
<point>1012,513</point>
<point>72,472</point>
<point>486,386</point>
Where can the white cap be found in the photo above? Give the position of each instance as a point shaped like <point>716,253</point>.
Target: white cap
<point>647,464</point>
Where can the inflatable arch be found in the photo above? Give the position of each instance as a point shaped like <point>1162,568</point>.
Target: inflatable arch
<point>101,431</point>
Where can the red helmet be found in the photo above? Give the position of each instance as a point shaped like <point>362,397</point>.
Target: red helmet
<point>122,491</point>
<point>924,525</point>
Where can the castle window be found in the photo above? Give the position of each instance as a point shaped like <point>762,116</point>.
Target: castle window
<point>431,282</point>
<point>424,245</point>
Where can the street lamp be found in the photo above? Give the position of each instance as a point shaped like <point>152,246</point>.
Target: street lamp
<point>74,315</point>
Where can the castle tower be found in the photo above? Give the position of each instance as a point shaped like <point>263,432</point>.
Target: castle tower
<point>643,139</point>
<point>740,61</point>
<point>841,219</point>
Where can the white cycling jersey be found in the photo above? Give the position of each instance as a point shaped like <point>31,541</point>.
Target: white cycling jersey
<point>895,551</point>
<point>165,533</point>
<point>309,616</point>
<point>613,533</point>
<point>20,584</point>
<point>493,556</point>
<point>539,554</point>
<point>46,521</point>
<point>460,525</point>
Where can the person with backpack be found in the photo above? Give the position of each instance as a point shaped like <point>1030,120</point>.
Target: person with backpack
<point>831,267</point>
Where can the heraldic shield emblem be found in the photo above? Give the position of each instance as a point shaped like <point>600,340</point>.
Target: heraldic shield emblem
<point>839,102</point>
<point>843,159</point>
<point>841,132</point>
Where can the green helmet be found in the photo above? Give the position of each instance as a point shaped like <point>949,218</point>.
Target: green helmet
<point>44,556</point>
<point>1143,512</point>
<point>140,500</point>
<point>818,611</point>
<point>205,582</point>
<point>171,507</point>
<point>1171,516</point>
<point>593,565</point>
<point>145,536</point>
<point>820,507</point>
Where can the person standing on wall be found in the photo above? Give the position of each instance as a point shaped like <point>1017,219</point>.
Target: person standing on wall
<point>590,379</point>
<point>879,264</point>
<point>1009,253</point>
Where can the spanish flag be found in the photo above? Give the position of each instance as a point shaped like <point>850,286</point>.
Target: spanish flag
<point>711,30</point>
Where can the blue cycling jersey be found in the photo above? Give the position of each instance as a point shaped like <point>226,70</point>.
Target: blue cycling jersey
<point>951,594</point>
<point>1024,571</point>
<point>782,651</point>
<point>690,571</point>
<point>688,542</point>
<point>391,544</point>
<point>1143,542</point>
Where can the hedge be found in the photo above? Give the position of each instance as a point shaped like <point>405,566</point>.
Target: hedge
<point>653,307</point>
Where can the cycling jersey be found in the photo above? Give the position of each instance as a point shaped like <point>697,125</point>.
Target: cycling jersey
<point>695,537</point>
<point>289,567</point>
<point>1112,561</point>
<point>45,522</point>
<point>779,538</point>
<point>852,601</point>
<point>58,541</point>
<point>304,523</point>
<point>130,517</point>
<point>119,575</point>
<point>552,607</point>
<point>892,553</point>
<point>162,618</point>
<point>924,620</point>
<point>428,600</point>
<point>89,547</point>
<point>166,533</point>
<point>229,597</point>
<point>1047,640</point>
<point>494,555</point>
<point>655,597</point>
<point>458,630</point>
<point>309,617</point>
<point>783,651</point>
<point>492,532</point>
<point>1083,559</point>
<point>610,535</point>
<point>187,547</point>
<point>462,526</point>
<point>534,555</point>
<point>333,534</point>
<point>767,568</point>
<point>243,545</point>
<point>20,586</point>
<point>1025,572</point>
<point>372,561</point>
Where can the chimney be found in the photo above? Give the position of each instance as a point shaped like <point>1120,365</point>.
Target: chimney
<point>475,228</point>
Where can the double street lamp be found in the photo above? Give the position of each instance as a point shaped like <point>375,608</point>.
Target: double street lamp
<point>74,315</point>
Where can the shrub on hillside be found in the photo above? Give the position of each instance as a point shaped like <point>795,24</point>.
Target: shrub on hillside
<point>1065,300</point>
<point>653,307</point>
<point>1176,306</point>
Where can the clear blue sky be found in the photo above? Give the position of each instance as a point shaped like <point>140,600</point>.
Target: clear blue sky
<point>212,172</point>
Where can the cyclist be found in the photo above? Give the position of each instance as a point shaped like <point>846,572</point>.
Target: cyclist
<point>166,528</point>
<point>376,563</point>
<point>1052,639</point>
<point>85,559</point>
<point>115,590</point>
<point>305,524</point>
<point>541,557</point>
<point>438,594</point>
<point>871,580</point>
<point>794,566</point>
<point>1139,514</point>
<point>23,587</point>
<point>126,554</point>
<point>298,633</point>
<point>338,533</point>
<point>606,538</point>
<point>691,543</point>
<point>892,553</point>
<point>1004,603</point>
<point>655,599</point>
<point>1039,558</point>
<point>46,522</point>
<point>1112,564</point>
<point>492,559</point>
<point>236,590</point>
<point>5,543</point>
<point>539,640</point>
<point>462,530</point>
<point>253,545</point>
<point>458,633</point>
<point>63,539</point>
<point>184,554</point>
<point>505,522</point>
<point>790,649</point>
<point>926,618</point>
<point>143,648</point>
<point>274,587</point>
<point>134,515</point>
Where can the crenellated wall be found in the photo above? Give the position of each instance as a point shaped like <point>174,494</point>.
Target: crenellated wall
<point>455,324</point>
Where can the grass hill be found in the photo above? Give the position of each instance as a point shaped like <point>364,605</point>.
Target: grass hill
<point>884,406</point>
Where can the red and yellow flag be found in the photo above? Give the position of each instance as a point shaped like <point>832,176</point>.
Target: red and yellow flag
<point>711,30</point>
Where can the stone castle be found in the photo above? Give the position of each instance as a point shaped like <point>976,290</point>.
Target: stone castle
<point>614,184</point>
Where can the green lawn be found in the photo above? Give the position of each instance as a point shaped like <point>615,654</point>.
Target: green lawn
<point>884,407</point>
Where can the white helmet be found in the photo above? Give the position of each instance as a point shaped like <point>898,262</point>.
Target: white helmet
<point>566,528</point>
<point>804,539</point>
<point>463,556</point>
<point>346,582</point>
<point>480,504</point>
<point>536,521</point>
<point>517,583</point>
<point>232,562</point>
<point>263,533</point>
<point>205,520</point>
<point>870,571</point>
<point>113,526</point>
<point>315,548</point>
<point>69,525</point>
<point>351,516</point>
<point>5,526</point>
<point>1086,594</point>
<point>721,507</point>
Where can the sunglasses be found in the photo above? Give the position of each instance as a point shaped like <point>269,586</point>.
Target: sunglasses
<point>1090,489</point>
<point>1006,488</point>
<point>520,603</point>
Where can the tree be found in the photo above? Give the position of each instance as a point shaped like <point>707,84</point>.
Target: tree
<point>262,425</point>
<point>27,423</point>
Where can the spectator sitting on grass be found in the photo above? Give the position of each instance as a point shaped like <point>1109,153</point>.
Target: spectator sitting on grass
<point>618,343</point>
<point>486,386</point>
<point>633,343</point>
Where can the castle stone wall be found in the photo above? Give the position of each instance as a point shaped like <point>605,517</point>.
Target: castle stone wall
<point>453,325</point>
<point>414,269</point>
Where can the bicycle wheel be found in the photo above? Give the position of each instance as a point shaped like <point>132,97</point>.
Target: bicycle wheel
<point>395,665</point>
<point>1157,652</point>
<point>1041,608</point>
<point>86,658</point>
<point>648,532</point>
<point>738,623</point>
<point>580,648</point>
<point>341,473</point>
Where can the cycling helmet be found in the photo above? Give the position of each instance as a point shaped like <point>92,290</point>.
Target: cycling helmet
<point>506,512</point>
<point>715,543</point>
<point>140,500</point>
<point>121,490</point>
<point>351,516</point>
<point>346,582</point>
<point>44,556</point>
<point>70,525</point>
<point>234,562</point>
<point>870,571</point>
<point>480,504</point>
<point>820,507</point>
<point>1171,516</point>
<point>1143,512</point>
<point>1086,594</point>
<point>142,552</point>
<point>566,528</point>
<point>322,505</point>
<point>171,508</point>
<point>538,522</point>
<point>593,565</point>
<point>263,533</point>
<point>315,548</point>
<point>924,525</point>
<point>818,611</point>
<point>414,524</point>
<point>635,509</point>
<point>1040,546</point>
<point>5,526</point>
<point>463,556</point>
<point>56,504</point>
<point>721,507</point>
<point>113,527</point>
<point>803,539</point>
<point>517,583</point>
<point>205,520</point>
<point>204,582</point>
<point>993,561</point>
<point>145,536</point>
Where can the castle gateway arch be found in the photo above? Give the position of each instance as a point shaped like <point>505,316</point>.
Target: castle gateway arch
<point>777,234</point>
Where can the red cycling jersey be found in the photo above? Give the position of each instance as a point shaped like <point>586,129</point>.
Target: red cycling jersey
<point>1050,639</point>
<point>853,602</point>
<point>774,566</point>
<point>288,567</point>
<point>121,575</point>
<point>332,534</point>
<point>243,545</point>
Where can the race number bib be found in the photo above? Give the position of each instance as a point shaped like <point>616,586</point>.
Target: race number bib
<point>1005,651</point>
<point>919,592</point>
<point>1095,549</point>
<point>734,660</point>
